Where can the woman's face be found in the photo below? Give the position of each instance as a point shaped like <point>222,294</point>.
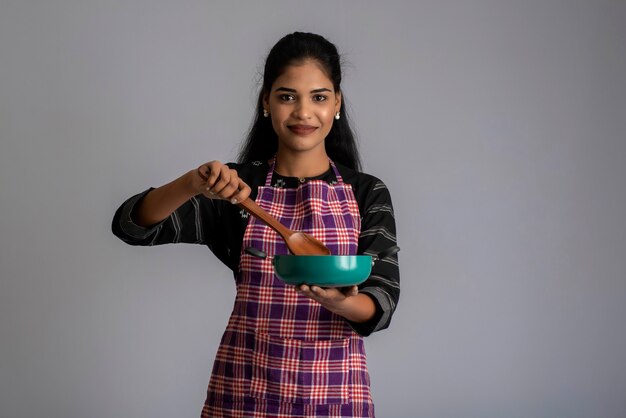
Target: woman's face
<point>302,104</point>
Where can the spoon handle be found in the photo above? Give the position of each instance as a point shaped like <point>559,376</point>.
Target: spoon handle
<point>251,207</point>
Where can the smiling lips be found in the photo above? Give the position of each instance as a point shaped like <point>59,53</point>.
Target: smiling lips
<point>302,130</point>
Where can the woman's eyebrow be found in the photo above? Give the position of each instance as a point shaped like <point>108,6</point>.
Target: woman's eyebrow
<point>294,91</point>
<point>321,90</point>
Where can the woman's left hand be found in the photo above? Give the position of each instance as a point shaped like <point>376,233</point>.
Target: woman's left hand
<point>332,298</point>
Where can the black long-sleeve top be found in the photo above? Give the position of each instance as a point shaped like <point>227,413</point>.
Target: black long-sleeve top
<point>221,225</point>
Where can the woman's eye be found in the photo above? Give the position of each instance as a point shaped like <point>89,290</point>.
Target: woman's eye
<point>319,98</point>
<point>286,97</point>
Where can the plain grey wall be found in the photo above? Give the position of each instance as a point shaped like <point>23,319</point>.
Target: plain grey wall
<point>499,127</point>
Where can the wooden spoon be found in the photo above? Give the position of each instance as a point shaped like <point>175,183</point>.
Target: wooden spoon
<point>299,243</point>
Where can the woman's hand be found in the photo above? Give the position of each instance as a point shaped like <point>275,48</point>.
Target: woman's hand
<point>217,181</point>
<point>346,302</point>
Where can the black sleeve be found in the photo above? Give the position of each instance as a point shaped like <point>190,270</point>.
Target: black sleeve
<point>211,222</point>
<point>194,222</point>
<point>378,233</point>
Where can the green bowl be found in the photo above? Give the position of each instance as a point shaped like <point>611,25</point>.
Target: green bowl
<point>323,270</point>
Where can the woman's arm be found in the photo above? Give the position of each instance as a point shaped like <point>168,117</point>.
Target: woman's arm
<point>199,219</point>
<point>370,307</point>
<point>222,183</point>
<point>378,233</point>
<point>159,203</point>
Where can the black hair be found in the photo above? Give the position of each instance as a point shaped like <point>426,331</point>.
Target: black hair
<point>262,141</point>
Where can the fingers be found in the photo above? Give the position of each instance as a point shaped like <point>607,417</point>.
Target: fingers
<point>351,291</point>
<point>242,193</point>
<point>226,184</point>
<point>216,170</point>
<point>204,171</point>
<point>327,296</point>
<point>222,182</point>
<point>315,292</point>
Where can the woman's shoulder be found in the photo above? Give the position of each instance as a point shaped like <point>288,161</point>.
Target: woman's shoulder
<point>250,166</point>
<point>360,180</point>
<point>253,172</point>
<point>368,189</point>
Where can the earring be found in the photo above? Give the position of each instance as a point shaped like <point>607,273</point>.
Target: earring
<point>337,116</point>
<point>265,113</point>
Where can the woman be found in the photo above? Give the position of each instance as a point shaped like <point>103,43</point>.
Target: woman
<point>286,351</point>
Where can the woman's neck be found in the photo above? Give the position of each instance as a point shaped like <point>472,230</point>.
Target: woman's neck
<point>301,164</point>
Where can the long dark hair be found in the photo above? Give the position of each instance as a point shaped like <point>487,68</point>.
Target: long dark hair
<point>262,141</point>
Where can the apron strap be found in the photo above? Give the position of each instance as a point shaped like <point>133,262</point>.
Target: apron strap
<point>337,175</point>
<point>270,172</point>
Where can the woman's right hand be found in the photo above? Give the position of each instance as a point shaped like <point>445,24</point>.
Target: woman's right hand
<point>217,181</point>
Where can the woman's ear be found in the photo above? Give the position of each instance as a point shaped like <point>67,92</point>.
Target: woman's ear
<point>337,101</point>
<point>266,101</point>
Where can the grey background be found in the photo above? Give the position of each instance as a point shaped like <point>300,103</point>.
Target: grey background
<point>499,127</point>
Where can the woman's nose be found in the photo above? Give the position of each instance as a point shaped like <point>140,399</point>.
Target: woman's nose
<point>302,110</point>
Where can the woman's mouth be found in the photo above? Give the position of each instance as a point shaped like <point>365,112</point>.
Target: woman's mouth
<point>302,130</point>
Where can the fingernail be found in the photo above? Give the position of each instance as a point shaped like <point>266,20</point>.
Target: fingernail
<point>233,201</point>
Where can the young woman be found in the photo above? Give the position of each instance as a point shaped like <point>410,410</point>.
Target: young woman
<point>286,351</point>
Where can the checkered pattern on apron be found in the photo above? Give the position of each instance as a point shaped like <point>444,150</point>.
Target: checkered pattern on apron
<point>282,354</point>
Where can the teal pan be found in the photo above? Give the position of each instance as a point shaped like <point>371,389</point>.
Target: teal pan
<point>323,270</point>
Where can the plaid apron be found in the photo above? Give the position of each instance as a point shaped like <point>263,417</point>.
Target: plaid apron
<point>283,354</point>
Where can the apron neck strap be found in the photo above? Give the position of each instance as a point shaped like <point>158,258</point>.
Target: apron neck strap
<point>270,172</point>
